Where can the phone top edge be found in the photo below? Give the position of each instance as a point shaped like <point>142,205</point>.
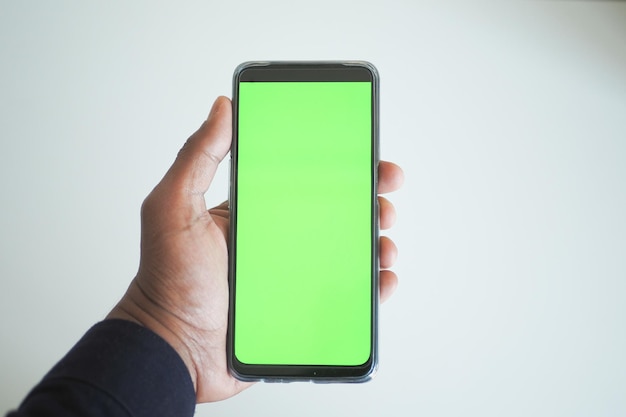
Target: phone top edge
<point>261,67</point>
<point>352,63</point>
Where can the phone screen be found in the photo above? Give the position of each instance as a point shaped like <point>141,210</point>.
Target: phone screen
<point>303,206</point>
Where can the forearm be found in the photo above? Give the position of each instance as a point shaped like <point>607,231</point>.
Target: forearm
<point>117,369</point>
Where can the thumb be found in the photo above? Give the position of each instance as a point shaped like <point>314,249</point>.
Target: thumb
<point>196,163</point>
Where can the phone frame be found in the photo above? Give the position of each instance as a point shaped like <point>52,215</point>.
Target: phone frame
<point>308,71</point>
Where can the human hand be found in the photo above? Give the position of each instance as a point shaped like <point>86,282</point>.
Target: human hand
<point>181,289</point>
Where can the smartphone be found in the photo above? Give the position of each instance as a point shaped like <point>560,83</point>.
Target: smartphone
<point>303,242</point>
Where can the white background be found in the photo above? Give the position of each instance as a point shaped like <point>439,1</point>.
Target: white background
<point>508,118</point>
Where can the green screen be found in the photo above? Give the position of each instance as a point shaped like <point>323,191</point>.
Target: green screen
<point>303,286</point>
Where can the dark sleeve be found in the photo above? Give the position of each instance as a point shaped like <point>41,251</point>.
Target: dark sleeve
<point>118,368</point>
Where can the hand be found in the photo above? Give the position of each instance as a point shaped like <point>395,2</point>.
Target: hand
<point>181,289</point>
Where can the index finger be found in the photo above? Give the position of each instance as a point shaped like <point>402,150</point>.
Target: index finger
<point>390,177</point>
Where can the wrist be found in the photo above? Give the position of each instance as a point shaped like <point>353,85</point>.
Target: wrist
<point>137,308</point>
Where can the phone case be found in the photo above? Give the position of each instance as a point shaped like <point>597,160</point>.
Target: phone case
<point>316,374</point>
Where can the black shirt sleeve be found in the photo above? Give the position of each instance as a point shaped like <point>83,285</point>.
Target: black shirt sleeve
<point>118,368</point>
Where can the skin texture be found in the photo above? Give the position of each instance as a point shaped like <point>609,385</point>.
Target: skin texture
<point>181,289</point>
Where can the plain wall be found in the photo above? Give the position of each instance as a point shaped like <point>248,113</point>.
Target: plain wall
<point>509,119</point>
